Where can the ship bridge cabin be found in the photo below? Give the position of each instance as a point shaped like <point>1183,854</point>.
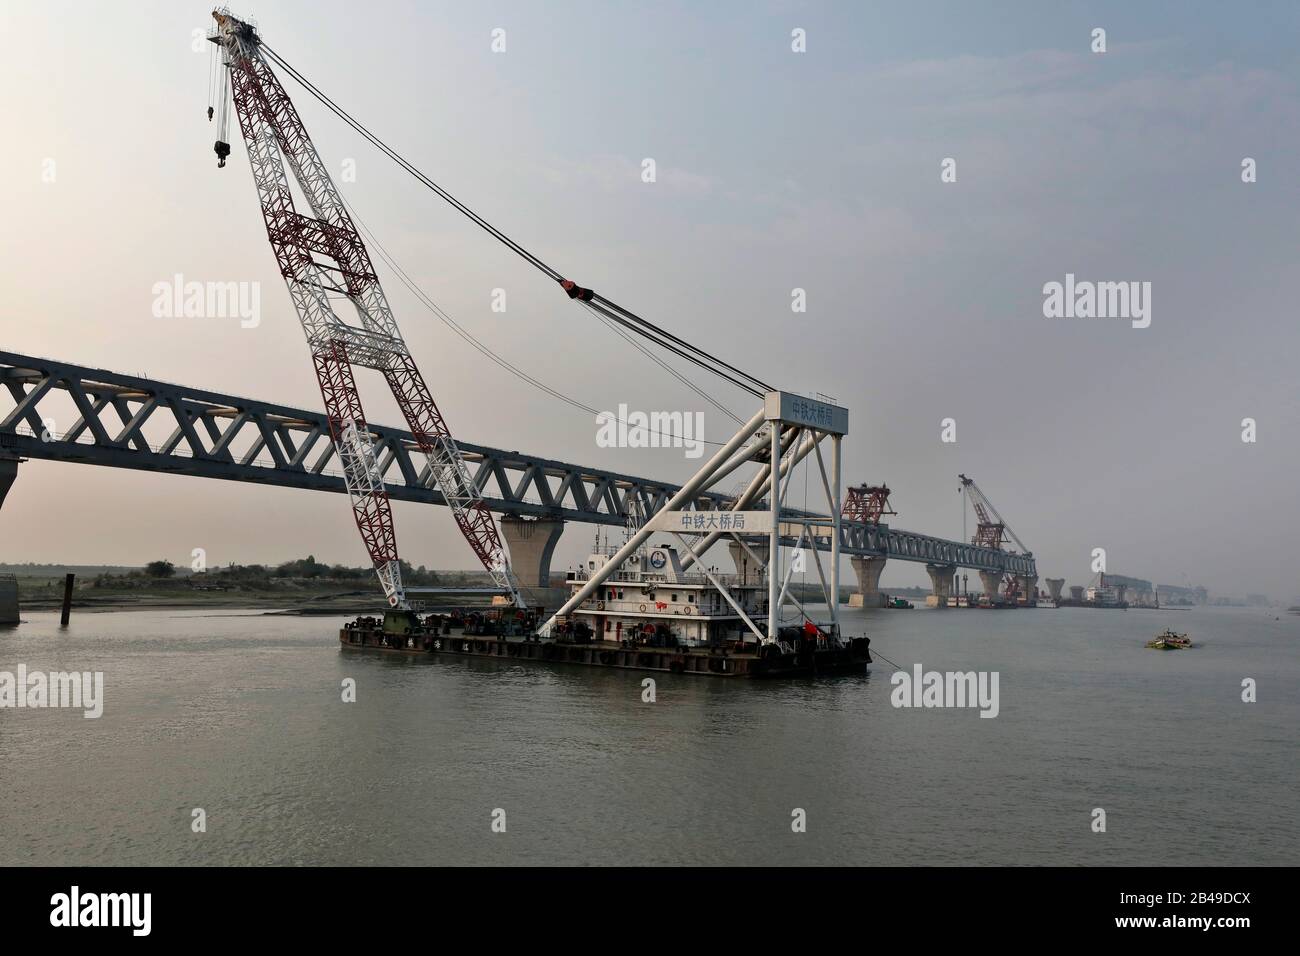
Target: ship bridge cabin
<point>651,600</point>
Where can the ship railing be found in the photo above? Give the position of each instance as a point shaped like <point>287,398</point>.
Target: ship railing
<point>661,580</point>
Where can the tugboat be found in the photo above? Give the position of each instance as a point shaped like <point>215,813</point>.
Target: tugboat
<point>649,615</point>
<point>1169,640</point>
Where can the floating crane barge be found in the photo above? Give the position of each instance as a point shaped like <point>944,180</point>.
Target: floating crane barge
<point>658,607</point>
<point>441,637</point>
<point>650,615</point>
<point>637,607</point>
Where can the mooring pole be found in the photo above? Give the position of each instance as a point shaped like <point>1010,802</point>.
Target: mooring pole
<point>836,514</point>
<point>67,599</point>
<point>774,537</point>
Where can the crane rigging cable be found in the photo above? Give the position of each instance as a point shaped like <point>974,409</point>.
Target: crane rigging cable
<point>616,317</point>
<point>630,320</point>
<point>667,368</point>
<point>442,315</point>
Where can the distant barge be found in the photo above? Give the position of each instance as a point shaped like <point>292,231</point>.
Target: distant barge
<point>652,616</point>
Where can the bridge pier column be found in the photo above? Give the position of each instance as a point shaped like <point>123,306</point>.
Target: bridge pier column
<point>991,581</point>
<point>940,583</point>
<point>868,572</point>
<point>746,568</point>
<point>531,542</point>
<point>8,584</point>
<point>8,472</point>
<point>1054,586</point>
<point>1029,588</point>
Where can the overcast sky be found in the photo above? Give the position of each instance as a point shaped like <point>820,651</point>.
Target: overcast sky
<point>776,170</point>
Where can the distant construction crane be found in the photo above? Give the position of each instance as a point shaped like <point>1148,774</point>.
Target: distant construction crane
<point>990,528</point>
<point>867,503</point>
<point>990,532</point>
<point>322,257</point>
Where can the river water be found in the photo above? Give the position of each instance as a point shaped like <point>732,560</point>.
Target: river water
<point>241,714</point>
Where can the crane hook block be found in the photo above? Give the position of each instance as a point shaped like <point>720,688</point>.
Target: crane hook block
<point>222,150</point>
<point>576,291</point>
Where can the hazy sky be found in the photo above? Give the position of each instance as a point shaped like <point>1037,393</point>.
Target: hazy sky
<point>776,170</point>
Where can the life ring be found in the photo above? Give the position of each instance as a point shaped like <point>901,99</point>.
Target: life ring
<point>642,608</point>
<point>687,609</point>
<point>600,605</point>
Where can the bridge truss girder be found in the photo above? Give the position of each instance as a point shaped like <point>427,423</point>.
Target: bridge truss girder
<point>214,435</point>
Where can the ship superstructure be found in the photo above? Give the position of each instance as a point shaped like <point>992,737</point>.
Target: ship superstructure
<point>652,599</point>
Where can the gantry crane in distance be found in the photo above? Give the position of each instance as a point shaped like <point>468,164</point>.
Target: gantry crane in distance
<point>990,528</point>
<point>322,255</point>
<point>867,503</point>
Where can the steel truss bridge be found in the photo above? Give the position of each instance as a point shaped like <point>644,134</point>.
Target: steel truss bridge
<point>213,435</point>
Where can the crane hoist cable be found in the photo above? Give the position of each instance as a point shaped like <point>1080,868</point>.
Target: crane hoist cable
<point>441,314</point>
<point>643,327</point>
<point>665,366</point>
<point>447,320</point>
<point>616,317</point>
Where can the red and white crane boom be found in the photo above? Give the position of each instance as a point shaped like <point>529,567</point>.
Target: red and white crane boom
<point>321,255</point>
<point>989,525</point>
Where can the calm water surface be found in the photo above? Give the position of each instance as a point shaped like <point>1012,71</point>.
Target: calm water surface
<point>241,714</point>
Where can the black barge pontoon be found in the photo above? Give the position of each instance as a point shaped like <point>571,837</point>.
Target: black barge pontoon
<point>507,633</point>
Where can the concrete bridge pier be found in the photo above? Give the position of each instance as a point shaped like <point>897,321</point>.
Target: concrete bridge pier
<point>868,572</point>
<point>1054,586</point>
<point>8,472</point>
<point>8,583</point>
<point>1076,593</point>
<point>748,571</point>
<point>940,583</point>
<point>1029,588</point>
<point>531,543</point>
<point>991,581</point>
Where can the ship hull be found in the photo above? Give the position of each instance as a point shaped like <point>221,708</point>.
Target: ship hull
<point>852,659</point>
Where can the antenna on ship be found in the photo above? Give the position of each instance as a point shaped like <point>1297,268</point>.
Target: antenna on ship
<point>635,518</point>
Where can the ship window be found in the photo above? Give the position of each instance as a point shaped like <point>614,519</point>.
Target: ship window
<point>691,597</point>
<point>674,597</point>
<point>606,624</point>
<point>591,565</point>
<point>620,594</point>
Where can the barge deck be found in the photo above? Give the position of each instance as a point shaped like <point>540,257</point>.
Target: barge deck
<point>765,661</point>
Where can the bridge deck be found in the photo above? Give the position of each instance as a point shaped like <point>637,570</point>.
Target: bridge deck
<point>214,435</point>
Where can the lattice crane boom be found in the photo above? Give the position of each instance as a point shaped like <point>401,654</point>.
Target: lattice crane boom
<point>323,255</point>
<point>989,525</point>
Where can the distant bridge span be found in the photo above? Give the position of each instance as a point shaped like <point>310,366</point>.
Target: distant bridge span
<point>212,435</point>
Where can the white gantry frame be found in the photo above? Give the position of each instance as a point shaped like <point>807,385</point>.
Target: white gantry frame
<point>795,428</point>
